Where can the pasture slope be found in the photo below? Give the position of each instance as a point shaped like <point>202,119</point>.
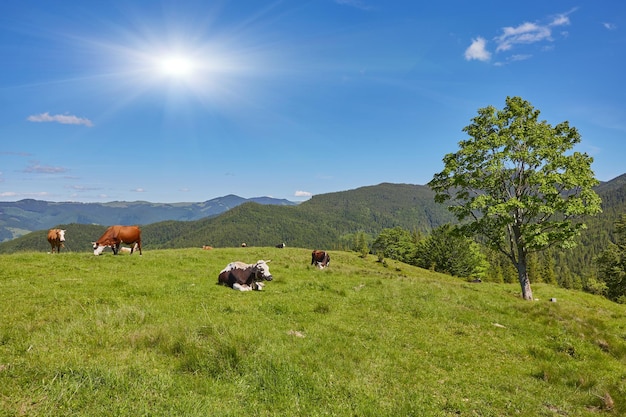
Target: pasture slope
<point>154,335</point>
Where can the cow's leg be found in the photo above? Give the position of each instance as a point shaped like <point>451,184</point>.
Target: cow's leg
<point>116,248</point>
<point>138,247</point>
<point>241,287</point>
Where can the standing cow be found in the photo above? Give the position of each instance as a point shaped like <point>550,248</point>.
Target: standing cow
<point>320,259</point>
<point>56,237</point>
<point>114,236</point>
<point>245,277</point>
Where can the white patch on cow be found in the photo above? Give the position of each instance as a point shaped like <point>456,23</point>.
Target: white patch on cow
<point>241,287</point>
<point>125,249</point>
<point>235,265</point>
<point>61,234</point>
<point>97,249</point>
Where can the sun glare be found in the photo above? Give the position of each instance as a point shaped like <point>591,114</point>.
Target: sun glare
<point>176,66</point>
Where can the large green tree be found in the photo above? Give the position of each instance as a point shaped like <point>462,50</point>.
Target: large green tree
<point>516,184</point>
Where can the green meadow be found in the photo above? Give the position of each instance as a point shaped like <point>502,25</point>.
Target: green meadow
<point>155,336</point>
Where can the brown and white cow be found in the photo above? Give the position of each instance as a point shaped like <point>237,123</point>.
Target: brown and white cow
<point>56,237</point>
<point>320,259</point>
<point>114,236</point>
<point>245,277</point>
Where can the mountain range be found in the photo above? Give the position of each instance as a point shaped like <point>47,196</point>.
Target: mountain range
<point>25,216</point>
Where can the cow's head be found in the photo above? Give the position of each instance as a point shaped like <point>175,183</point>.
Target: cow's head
<point>61,235</point>
<point>97,249</point>
<point>262,271</point>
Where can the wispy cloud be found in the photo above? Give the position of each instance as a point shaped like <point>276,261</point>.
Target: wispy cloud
<point>13,194</point>
<point>66,119</point>
<point>15,153</point>
<point>526,33</point>
<point>36,168</point>
<point>138,190</point>
<point>82,188</point>
<point>302,194</point>
<point>609,26</point>
<point>478,50</point>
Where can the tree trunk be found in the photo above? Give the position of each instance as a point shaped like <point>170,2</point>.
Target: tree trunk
<point>522,275</point>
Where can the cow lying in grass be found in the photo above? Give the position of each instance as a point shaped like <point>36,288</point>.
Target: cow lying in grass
<point>245,277</point>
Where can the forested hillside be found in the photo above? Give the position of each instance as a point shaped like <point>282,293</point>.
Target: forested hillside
<point>600,229</point>
<point>322,221</point>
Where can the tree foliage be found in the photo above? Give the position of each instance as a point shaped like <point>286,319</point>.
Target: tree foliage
<point>396,243</point>
<point>516,184</point>
<point>449,252</point>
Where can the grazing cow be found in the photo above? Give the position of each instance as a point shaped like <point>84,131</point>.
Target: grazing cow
<point>245,277</point>
<point>56,237</point>
<point>207,247</point>
<point>114,236</point>
<point>243,245</point>
<point>320,259</point>
<point>281,245</point>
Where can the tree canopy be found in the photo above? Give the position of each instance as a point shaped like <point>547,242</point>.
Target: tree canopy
<point>516,183</point>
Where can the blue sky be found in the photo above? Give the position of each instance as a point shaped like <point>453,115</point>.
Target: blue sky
<point>180,101</point>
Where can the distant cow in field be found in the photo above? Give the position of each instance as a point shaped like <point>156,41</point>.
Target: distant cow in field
<point>245,277</point>
<point>243,245</point>
<point>281,245</point>
<point>207,247</point>
<point>114,236</point>
<point>320,259</point>
<point>56,237</point>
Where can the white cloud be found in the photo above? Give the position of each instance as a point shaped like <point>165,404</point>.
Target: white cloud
<point>302,194</point>
<point>526,33</point>
<point>138,190</point>
<point>66,119</point>
<point>609,26</point>
<point>477,50</point>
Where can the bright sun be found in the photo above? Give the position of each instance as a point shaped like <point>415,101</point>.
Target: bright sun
<point>176,66</point>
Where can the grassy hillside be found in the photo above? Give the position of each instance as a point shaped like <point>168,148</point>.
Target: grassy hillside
<point>154,335</point>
